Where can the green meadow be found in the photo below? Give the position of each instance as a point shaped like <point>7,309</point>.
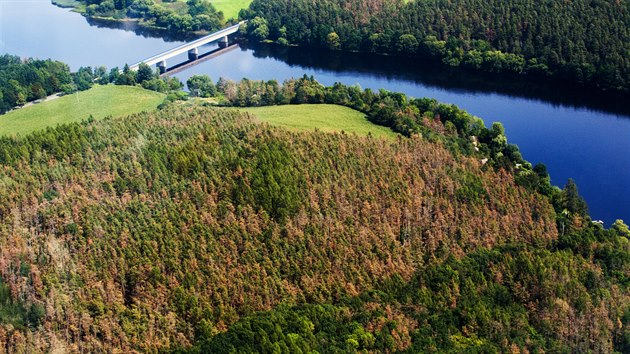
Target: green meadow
<point>230,8</point>
<point>325,117</point>
<point>99,102</point>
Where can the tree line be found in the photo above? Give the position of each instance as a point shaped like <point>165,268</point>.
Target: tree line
<point>458,129</point>
<point>195,15</point>
<point>27,80</point>
<point>583,41</point>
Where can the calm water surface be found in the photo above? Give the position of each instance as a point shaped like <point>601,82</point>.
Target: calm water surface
<point>576,133</point>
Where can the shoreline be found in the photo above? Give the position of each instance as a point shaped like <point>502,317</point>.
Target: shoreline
<point>551,79</point>
<point>137,25</point>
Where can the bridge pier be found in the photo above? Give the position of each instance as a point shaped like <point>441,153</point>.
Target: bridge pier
<point>223,42</point>
<point>162,66</point>
<point>193,54</point>
<point>192,48</point>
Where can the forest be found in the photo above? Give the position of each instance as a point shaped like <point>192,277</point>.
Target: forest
<point>23,81</point>
<point>196,229</point>
<point>583,41</point>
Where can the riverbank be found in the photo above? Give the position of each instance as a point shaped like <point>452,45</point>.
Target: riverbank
<point>547,41</point>
<point>227,12</point>
<point>444,77</point>
<point>143,27</point>
<point>230,8</point>
<point>528,77</point>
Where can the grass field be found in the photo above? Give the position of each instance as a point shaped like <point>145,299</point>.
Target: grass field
<point>325,117</point>
<point>230,8</point>
<point>99,101</point>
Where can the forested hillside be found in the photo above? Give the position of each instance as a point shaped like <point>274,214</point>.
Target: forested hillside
<point>586,41</point>
<point>198,229</point>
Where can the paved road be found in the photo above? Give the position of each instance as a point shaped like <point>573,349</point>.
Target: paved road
<point>49,98</point>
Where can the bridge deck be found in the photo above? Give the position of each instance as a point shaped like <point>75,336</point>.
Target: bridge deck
<point>188,46</point>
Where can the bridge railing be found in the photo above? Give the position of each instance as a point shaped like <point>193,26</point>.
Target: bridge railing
<point>188,46</point>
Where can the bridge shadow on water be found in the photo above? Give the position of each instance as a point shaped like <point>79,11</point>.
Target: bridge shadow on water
<point>201,58</point>
<point>461,80</point>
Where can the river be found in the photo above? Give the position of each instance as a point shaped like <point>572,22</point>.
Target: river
<point>577,133</point>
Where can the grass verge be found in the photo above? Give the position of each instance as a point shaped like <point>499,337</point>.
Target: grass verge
<point>325,117</point>
<point>99,102</point>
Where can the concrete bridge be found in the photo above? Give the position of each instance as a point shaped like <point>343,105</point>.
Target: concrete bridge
<point>192,48</point>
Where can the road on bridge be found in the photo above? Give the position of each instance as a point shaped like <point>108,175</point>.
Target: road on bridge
<point>162,57</point>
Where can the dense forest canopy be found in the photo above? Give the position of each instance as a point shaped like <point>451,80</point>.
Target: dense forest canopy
<point>186,228</point>
<point>586,41</point>
<point>196,229</point>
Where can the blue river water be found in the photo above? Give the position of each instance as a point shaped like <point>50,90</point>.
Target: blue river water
<point>578,134</point>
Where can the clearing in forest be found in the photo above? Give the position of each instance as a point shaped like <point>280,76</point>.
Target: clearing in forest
<point>325,117</point>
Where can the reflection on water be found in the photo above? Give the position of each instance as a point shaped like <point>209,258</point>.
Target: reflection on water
<point>443,77</point>
<point>145,32</point>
